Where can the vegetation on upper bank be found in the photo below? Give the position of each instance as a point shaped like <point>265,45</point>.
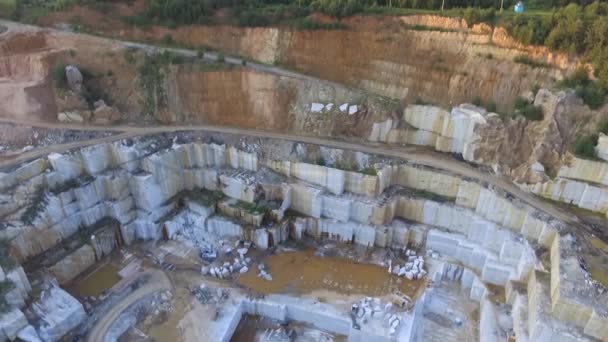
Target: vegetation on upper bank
<point>578,27</point>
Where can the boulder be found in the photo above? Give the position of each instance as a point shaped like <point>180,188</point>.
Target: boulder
<point>316,107</point>
<point>72,116</point>
<point>11,323</point>
<point>28,334</point>
<point>105,114</point>
<point>58,312</point>
<point>74,78</point>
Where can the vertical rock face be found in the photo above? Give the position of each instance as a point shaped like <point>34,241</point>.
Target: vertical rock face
<point>601,149</point>
<point>58,313</point>
<point>73,264</point>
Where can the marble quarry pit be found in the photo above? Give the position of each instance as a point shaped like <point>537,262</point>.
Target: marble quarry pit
<point>487,267</point>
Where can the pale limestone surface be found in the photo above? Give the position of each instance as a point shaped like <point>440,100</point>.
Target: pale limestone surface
<point>58,313</point>
<point>601,149</point>
<point>73,264</point>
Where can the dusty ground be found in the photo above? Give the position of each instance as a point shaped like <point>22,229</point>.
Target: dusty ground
<point>331,279</point>
<point>304,271</point>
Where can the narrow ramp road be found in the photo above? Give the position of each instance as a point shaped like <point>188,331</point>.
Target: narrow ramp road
<point>158,281</point>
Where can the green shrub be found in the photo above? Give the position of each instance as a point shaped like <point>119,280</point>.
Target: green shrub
<point>221,58</point>
<point>476,101</point>
<point>370,171</point>
<point>475,15</point>
<point>243,62</point>
<point>176,59</point>
<point>491,106</point>
<point>585,146</point>
<point>591,92</point>
<point>138,20</point>
<point>528,110</point>
<point>59,76</point>
<point>523,59</point>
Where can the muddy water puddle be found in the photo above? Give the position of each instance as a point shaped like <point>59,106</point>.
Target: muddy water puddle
<point>303,272</point>
<point>253,328</point>
<point>101,279</point>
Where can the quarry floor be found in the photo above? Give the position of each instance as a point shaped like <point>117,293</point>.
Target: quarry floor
<point>336,274</point>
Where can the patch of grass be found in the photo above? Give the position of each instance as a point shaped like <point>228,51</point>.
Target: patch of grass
<point>523,59</point>
<point>252,208</point>
<point>430,195</point>
<point>311,24</point>
<point>427,28</point>
<point>204,197</point>
<point>370,171</point>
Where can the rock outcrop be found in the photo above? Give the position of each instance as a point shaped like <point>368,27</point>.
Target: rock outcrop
<point>74,79</point>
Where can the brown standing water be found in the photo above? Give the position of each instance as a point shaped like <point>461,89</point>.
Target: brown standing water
<point>98,281</point>
<point>303,271</point>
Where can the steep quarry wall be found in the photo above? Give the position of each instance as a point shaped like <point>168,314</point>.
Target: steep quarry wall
<point>446,63</point>
<point>193,91</point>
